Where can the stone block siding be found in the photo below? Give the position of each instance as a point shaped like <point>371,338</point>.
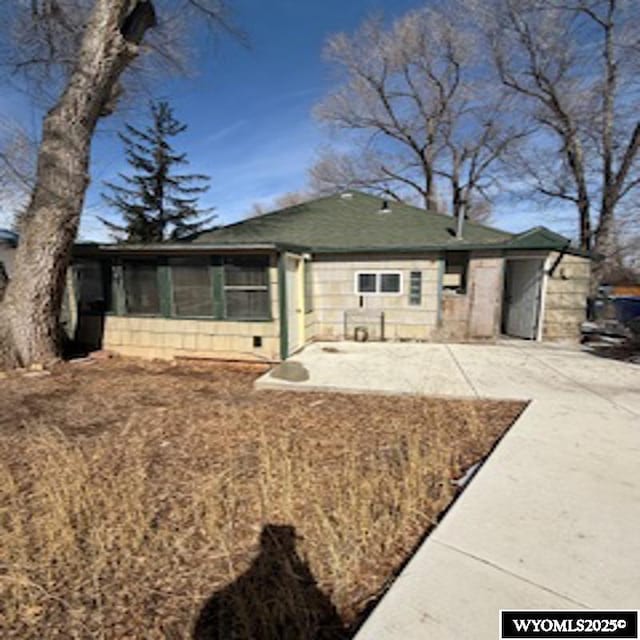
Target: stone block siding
<point>455,317</point>
<point>309,325</point>
<point>566,297</point>
<point>334,292</point>
<point>168,338</point>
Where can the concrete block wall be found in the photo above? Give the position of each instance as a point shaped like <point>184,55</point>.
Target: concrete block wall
<point>566,295</point>
<point>167,338</point>
<point>334,293</point>
<point>309,325</point>
<point>455,317</point>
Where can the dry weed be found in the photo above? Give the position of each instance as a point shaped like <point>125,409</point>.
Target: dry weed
<point>147,501</point>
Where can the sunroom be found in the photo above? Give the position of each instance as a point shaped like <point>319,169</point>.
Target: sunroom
<point>169,301</point>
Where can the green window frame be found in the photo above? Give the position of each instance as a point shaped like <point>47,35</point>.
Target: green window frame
<point>233,288</point>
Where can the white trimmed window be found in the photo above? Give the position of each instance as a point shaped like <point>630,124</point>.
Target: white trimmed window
<point>378,283</point>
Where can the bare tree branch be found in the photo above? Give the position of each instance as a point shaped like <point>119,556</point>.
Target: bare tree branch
<point>542,56</point>
<point>419,91</point>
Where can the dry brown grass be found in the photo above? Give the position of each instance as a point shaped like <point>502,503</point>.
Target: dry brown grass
<point>132,493</point>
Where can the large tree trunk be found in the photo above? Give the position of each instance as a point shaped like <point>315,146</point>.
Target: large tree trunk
<point>606,244</point>
<point>31,307</point>
<point>605,240</point>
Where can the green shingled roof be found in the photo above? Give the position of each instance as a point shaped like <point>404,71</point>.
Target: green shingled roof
<point>338,223</point>
<point>539,238</point>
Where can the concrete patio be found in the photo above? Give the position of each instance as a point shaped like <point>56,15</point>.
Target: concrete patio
<point>551,520</point>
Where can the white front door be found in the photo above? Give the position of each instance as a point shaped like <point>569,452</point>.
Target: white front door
<point>294,310</point>
<point>522,297</point>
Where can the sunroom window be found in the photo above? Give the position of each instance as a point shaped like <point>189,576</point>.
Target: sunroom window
<point>192,287</point>
<point>142,296</point>
<point>246,288</point>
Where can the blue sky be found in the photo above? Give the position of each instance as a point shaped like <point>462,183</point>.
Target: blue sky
<point>249,111</point>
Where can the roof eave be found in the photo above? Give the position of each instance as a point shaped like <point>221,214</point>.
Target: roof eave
<point>434,248</point>
<point>173,248</point>
<point>179,248</point>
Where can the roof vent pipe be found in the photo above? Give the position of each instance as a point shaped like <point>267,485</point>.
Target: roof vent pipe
<point>385,207</point>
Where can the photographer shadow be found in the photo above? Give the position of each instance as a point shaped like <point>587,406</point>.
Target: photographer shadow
<point>277,598</point>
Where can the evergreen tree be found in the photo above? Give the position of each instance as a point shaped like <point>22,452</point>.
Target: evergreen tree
<point>156,203</point>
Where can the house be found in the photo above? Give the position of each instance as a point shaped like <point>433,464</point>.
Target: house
<point>344,266</point>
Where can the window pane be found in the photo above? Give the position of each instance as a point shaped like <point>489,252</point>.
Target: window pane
<point>192,288</point>
<point>247,304</point>
<point>141,288</point>
<point>366,283</point>
<point>245,271</point>
<point>390,282</point>
<point>415,288</point>
<point>246,283</point>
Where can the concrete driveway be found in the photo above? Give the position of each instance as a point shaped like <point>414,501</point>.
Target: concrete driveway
<point>551,520</point>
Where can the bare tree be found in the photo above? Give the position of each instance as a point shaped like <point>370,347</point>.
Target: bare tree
<point>89,45</point>
<point>287,199</point>
<point>420,102</point>
<point>256,211</point>
<point>624,262</point>
<point>574,64</point>
<point>364,169</point>
<point>291,199</point>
